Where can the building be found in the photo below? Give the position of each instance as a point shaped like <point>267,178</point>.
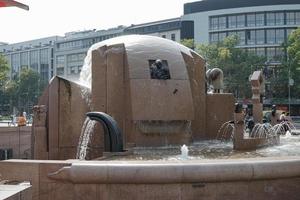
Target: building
<point>71,50</point>
<point>174,29</point>
<point>35,54</point>
<point>262,25</point>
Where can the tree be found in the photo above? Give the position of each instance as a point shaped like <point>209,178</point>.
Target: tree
<point>29,87</point>
<point>188,43</point>
<point>24,90</point>
<point>4,69</point>
<point>237,64</point>
<point>293,61</point>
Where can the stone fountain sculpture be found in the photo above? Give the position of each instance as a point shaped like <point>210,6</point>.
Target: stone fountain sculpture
<point>215,79</point>
<point>258,90</point>
<point>154,89</point>
<point>149,112</point>
<point>240,141</point>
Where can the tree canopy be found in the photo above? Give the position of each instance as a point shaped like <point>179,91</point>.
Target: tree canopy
<point>236,63</point>
<point>293,60</point>
<point>4,69</point>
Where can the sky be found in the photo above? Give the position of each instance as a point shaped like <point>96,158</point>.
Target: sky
<point>56,17</point>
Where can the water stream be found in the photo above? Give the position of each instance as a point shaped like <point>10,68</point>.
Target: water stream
<point>87,132</point>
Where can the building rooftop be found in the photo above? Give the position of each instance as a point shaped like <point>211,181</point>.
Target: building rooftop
<point>209,5</point>
<point>47,41</point>
<point>133,26</point>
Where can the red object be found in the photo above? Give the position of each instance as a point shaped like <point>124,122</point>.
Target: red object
<point>9,3</point>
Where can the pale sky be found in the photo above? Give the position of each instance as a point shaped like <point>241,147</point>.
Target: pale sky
<point>55,17</point>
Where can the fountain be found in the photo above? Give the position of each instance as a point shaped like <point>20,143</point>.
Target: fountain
<point>184,152</point>
<point>149,95</point>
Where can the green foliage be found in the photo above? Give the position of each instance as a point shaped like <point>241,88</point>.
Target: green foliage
<point>188,43</point>
<point>293,60</point>
<point>4,69</point>
<point>22,91</point>
<point>236,64</point>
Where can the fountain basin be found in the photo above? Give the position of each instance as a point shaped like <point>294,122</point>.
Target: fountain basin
<point>157,172</point>
<point>258,178</point>
<point>254,143</point>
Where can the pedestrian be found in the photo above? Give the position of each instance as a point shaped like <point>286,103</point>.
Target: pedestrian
<point>22,120</point>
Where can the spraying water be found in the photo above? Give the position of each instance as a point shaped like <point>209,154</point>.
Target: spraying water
<point>184,152</point>
<point>84,140</point>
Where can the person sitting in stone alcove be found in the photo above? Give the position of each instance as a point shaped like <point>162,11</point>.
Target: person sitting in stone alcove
<point>159,70</point>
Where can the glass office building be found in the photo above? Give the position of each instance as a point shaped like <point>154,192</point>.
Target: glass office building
<point>261,25</point>
<point>35,54</point>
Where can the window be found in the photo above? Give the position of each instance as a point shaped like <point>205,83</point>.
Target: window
<point>72,70</point>
<point>240,21</point>
<point>214,23</point>
<point>270,19</point>
<point>290,18</point>
<point>271,36</point>
<point>241,36</point>
<point>297,17</point>
<point>279,36</point>
<point>260,36</point>
<point>214,37</point>
<point>222,22</point>
<point>279,18</point>
<point>79,69</point>
<point>260,19</point>
<point>60,61</point>
<point>250,20</point>
<point>24,59</point>
<point>34,60</point>
<point>163,36</point>
<point>15,62</point>
<point>251,37</point>
<point>232,21</point>
<point>173,37</point>
<point>44,59</point>
<point>222,36</point>
<point>60,71</point>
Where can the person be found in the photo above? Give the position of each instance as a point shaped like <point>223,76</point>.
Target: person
<point>266,124</point>
<point>13,121</point>
<point>159,71</point>
<point>282,117</point>
<point>288,117</point>
<point>274,116</point>
<point>21,120</point>
<point>25,115</point>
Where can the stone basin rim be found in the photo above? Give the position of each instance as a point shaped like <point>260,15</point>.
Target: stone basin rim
<point>120,172</point>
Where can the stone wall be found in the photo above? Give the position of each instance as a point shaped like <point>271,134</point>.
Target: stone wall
<point>18,139</point>
<point>253,179</point>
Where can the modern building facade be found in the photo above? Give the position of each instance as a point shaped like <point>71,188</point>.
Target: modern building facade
<point>261,25</point>
<point>35,54</point>
<point>71,50</point>
<point>174,29</point>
